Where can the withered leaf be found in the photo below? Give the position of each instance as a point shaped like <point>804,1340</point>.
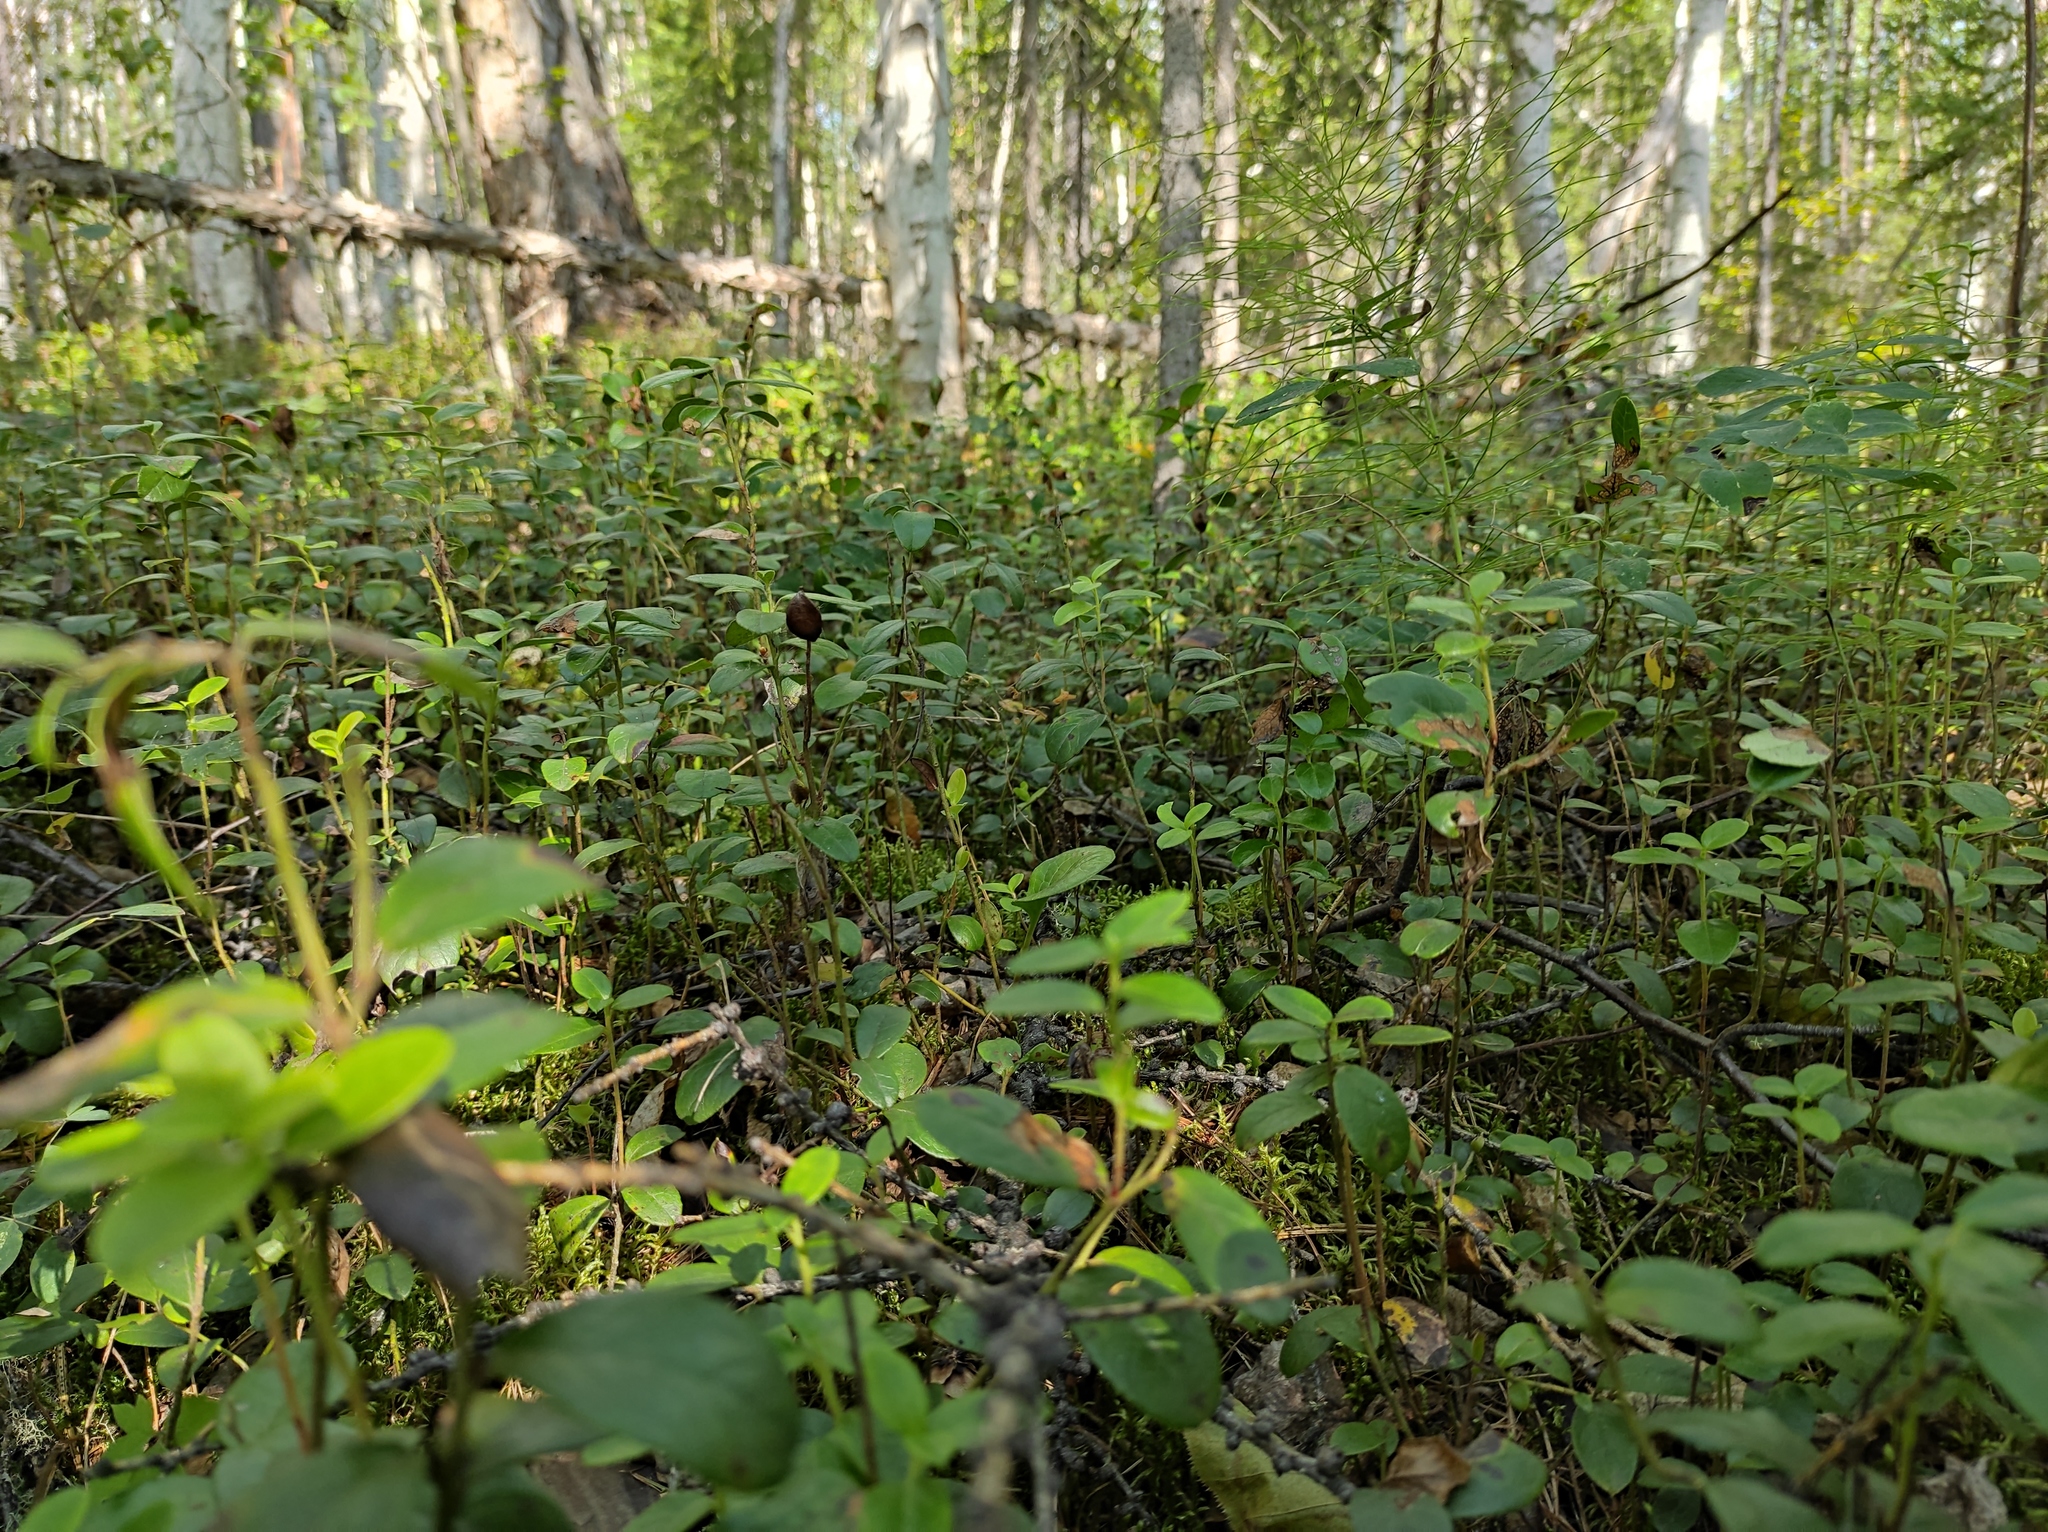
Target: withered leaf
<point>1425,1465</point>
<point>900,814</point>
<point>435,1194</point>
<point>1421,1332</point>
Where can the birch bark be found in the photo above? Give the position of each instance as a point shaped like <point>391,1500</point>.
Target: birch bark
<point>1539,229</point>
<point>1692,183</point>
<point>904,152</point>
<point>1180,232</point>
<point>1226,185</point>
<point>781,229</point>
<point>206,115</point>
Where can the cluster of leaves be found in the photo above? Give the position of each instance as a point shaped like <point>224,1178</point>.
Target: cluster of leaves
<point>1281,1001</point>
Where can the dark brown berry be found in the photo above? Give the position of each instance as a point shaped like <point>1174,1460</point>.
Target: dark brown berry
<point>803,618</point>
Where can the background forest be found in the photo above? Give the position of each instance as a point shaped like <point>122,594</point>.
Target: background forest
<point>1022,765</point>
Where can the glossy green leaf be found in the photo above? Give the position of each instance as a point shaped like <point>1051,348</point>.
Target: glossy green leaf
<point>1685,1299</point>
<point>1993,1122</point>
<point>1796,1240</point>
<point>1165,1364</point>
<point>1064,873</point>
<point>1603,1444</point>
<point>1046,997</point>
<point>996,1133</point>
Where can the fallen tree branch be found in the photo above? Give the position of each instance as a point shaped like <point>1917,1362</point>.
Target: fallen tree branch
<point>345,217</point>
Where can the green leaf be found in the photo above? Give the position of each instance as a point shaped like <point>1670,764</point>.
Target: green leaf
<point>1165,1364</point>
<point>2007,1333</point>
<point>688,1377</point>
<point>1624,426</point>
<point>1740,1503</point>
<point>836,692</point>
<point>490,1032</point>
<point>1793,1334</point>
<point>1158,920</point>
<point>1505,1477</point>
<point>1712,942</point>
<point>677,1511</point>
<point>1227,1240</point>
<point>390,1276</point>
<point>1373,1118</point>
<point>1783,745</point>
<point>1894,992</point>
<point>1379,1510</point>
<point>1046,997</point>
<point>1298,1003</point>
<point>1797,1240</point>
<point>1428,937</point>
<point>1558,1300</point>
<point>1366,1008</point>
<point>1150,998</point>
<point>1980,800</point>
<point>1075,956</point>
<point>1283,398</point>
<point>1724,381</point>
<point>469,887</point>
<point>174,1206</point>
<point>26,646</point>
<point>880,1027</point>
<point>1552,652</point>
<point>2015,1201</point>
<point>895,1074</point>
<point>1602,1443</point>
<point>1066,872</point>
<point>996,1133</point>
<point>575,1220</point>
<point>1409,1035</point>
<point>832,837</point>
<point>1993,1122</point>
<point>1270,1116</point>
<point>374,1084</point>
<point>1754,1433</point>
<point>1685,1299</point>
<point>1668,604</point>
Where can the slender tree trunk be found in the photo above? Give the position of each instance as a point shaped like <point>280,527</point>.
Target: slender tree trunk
<point>336,171</point>
<point>2022,234</point>
<point>489,282</point>
<point>206,113</point>
<point>411,181</point>
<point>1745,53</point>
<point>1635,189</point>
<point>550,157</point>
<point>1539,229</point>
<point>1692,183</point>
<point>1763,318</point>
<point>999,172</point>
<point>1077,155</point>
<point>778,132</point>
<point>1180,232</point>
<point>904,151</point>
<point>279,130</point>
<point>1030,160</point>
<point>1225,184</point>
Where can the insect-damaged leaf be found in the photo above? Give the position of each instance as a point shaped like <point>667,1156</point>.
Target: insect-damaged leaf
<point>434,1193</point>
<point>996,1133</point>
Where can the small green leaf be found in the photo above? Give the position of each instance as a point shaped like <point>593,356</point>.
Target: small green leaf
<point>1046,997</point>
<point>1165,1364</point>
<point>26,646</point>
<point>1602,1443</point>
<point>1066,872</point>
<point>1712,942</point>
<point>996,1133</point>
<point>1794,1241</point>
<point>1409,1035</point>
<point>1373,1118</point>
<point>1682,1298</point>
<point>1428,937</point>
<point>834,838</point>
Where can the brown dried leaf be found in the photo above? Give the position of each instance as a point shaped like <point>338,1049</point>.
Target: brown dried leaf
<point>1425,1465</point>
<point>1271,723</point>
<point>432,1192</point>
<point>900,814</point>
<point>1921,876</point>
<point>1421,1332</point>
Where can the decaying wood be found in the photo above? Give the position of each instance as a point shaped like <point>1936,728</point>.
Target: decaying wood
<point>344,218</point>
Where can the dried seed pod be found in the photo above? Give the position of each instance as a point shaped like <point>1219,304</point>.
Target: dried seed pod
<point>803,618</point>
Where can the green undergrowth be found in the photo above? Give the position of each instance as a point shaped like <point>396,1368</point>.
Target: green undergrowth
<point>1503,936</point>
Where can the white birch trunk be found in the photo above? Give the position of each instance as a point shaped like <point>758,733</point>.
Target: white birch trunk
<point>1635,189</point>
<point>409,181</point>
<point>1180,231</point>
<point>780,231</point>
<point>905,151</point>
<point>1226,184</point>
<point>999,171</point>
<point>1692,184</point>
<point>1539,229</point>
<point>206,117</point>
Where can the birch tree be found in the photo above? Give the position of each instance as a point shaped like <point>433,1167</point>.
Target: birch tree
<point>1539,229</point>
<point>1763,316</point>
<point>1692,183</point>
<point>206,107</point>
<point>778,135</point>
<point>550,155</point>
<point>1180,229</point>
<point>1225,185</point>
<point>409,180</point>
<point>904,151</point>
